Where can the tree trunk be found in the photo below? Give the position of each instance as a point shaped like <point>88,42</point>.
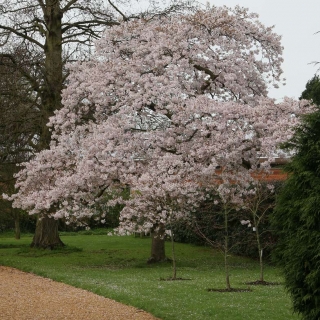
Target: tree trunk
<point>158,246</point>
<point>51,96</point>
<point>261,265</point>
<point>46,235</point>
<point>260,250</point>
<point>174,264</point>
<point>260,255</point>
<point>17,232</point>
<point>226,266</point>
<point>16,216</point>
<point>226,249</point>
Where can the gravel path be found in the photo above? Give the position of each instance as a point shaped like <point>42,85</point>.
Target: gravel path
<point>25,296</point>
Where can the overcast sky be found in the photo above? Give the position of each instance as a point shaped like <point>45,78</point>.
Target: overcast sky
<point>297,22</point>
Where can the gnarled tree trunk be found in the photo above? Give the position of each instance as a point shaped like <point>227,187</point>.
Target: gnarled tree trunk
<point>158,246</point>
<point>46,235</point>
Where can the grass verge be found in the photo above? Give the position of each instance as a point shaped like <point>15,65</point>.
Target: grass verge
<point>115,267</point>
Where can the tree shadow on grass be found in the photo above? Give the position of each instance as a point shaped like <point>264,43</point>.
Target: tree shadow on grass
<point>173,279</point>
<point>10,246</point>
<point>262,283</point>
<point>27,251</point>
<point>230,290</point>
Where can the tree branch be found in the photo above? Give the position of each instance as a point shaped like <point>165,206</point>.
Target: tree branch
<point>206,71</point>
<point>125,18</point>
<point>68,5</point>
<point>22,35</point>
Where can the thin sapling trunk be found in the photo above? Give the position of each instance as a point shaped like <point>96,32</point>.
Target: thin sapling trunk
<point>226,248</point>
<point>174,264</point>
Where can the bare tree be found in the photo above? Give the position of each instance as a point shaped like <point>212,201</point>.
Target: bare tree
<point>19,106</point>
<point>19,109</point>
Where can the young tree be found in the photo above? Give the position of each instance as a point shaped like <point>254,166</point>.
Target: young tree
<point>237,188</point>
<point>227,199</point>
<point>258,203</point>
<point>296,220</point>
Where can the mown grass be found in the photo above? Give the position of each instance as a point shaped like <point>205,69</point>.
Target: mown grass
<point>115,267</point>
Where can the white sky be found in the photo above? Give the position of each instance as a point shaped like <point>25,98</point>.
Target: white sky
<point>297,22</point>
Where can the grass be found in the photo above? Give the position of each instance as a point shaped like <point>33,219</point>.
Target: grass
<point>115,267</point>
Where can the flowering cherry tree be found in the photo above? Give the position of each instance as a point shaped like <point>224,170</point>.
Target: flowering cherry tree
<point>162,104</point>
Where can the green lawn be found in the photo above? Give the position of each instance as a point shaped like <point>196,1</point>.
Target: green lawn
<point>115,267</point>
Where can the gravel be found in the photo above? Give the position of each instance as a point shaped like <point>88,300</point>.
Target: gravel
<point>25,296</point>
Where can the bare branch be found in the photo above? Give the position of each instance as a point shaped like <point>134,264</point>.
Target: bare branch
<point>125,18</point>
<point>22,35</point>
<point>68,5</point>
